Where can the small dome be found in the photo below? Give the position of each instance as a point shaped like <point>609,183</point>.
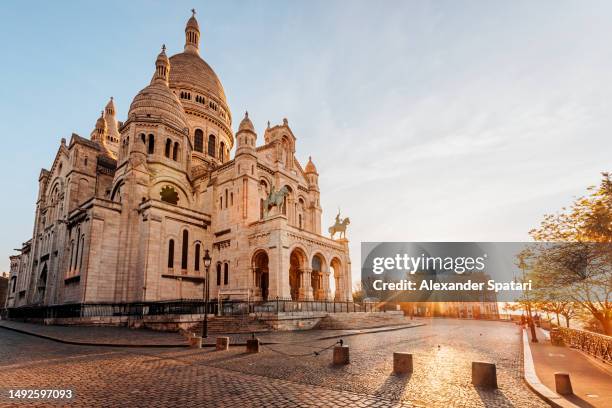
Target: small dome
<point>110,107</point>
<point>246,124</point>
<point>158,100</point>
<point>310,167</point>
<point>192,23</point>
<point>101,124</point>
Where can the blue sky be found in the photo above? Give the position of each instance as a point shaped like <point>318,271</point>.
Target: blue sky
<point>428,121</point>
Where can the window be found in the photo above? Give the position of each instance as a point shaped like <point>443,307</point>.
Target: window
<point>143,138</point>
<point>212,142</point>
<point>199,141</point>
<point>169,195</point>
<point>168,147</point>
<point>261,208</point>
<point>175,154</point>
<point>222,152</point>
<point>218,274</point>
<point>185,250</point>
<point>226,200</point>
<point>151,149</point>
<point>226,274</point>
<point>197,258</point>
<point>171,254</point>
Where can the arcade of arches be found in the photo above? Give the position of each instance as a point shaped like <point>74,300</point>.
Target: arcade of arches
<point>309,278</point>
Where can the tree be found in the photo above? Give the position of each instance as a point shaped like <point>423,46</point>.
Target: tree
<point>358,293</point>
<point>577,264</point>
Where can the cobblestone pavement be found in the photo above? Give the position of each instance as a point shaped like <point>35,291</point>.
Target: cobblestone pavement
<point>278,377</point>
<point>104,335</point>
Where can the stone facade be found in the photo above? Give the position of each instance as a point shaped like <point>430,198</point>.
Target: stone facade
<point>127,215</point>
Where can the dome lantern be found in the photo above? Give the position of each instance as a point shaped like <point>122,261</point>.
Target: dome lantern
<point>192,34</point>
<point>162,67</point>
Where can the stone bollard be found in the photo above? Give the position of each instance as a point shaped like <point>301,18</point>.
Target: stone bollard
<point>222,343</point>
<point>195,342</point>
<point>252,346</point>
<point>563,384</point>
<point>402,363</point>
<point>484,374</point>
<point>341,355</point>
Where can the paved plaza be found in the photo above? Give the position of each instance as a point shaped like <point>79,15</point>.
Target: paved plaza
<point>287,374</point>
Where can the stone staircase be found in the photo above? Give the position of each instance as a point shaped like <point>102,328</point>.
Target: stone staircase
<point>232,325</point>
<point>348,321</point>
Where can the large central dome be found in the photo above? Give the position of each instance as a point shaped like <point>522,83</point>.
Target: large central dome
<point>189,69</point>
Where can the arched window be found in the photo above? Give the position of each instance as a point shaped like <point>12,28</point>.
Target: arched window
<point>143,138</point>
<point>78,245</point>
<point>151,144</point>
<point>185,250</point>
<point>82,250</point>
<point>226,274</point>
<point>222,152</point>
<point>218,274</point>
<point>212,142</point>
<point>197,258</point>
<point>199,141</point>
<point>175,153</point>
<point>300,221</point>
<point>221,202</point>
<point>261,208</point>
<point>171,254</point>
<point>168,147</point>
<point>226,196</point>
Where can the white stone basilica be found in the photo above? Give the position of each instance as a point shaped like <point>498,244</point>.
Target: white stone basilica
<point>127,215</point>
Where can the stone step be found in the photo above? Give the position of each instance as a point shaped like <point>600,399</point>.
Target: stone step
<point>227,324</point>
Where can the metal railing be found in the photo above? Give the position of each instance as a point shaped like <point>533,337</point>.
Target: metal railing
<point>189,306</point>
<point>595,344</point>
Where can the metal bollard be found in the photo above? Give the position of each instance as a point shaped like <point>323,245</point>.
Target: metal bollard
<point>252,346</point>
<point>341,355</point>
<point>563,384</point>
<point>195,342</point>
<point>484,374</point>
<point>222,343</point>
<point>402,363</point>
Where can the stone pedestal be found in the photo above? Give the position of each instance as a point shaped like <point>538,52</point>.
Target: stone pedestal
<point>252,346</point>
<point>195,342</point>
<point>563,384</point>
<point>222,343</point>
<point>484,374</point>
<point>341,355</point>
<point>402,363</point>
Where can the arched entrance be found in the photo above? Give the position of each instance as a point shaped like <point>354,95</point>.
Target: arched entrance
<point>297,265</point>
<point>317,277</point>
<point>262,273</point>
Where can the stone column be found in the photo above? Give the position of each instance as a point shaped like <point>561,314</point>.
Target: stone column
<point>326,289</point>
<point>306,286</point>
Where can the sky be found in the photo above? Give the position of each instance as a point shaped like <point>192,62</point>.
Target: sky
<point>427,121</point>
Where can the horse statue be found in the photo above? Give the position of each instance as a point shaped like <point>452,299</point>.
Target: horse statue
<point>339,226</point>
<point>275,199</point>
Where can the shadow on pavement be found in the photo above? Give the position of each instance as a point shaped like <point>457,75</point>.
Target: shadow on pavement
<point>493,398</point>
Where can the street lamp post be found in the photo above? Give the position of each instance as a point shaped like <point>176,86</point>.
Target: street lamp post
<point>207,261</point>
